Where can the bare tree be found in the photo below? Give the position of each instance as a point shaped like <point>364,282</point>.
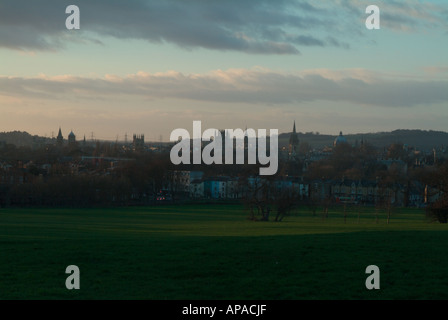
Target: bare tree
<point>284,202</point>
<point>258,198</point>
<point>437,194</point>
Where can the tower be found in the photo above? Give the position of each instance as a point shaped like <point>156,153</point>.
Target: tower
<point>138,142</point>
<point>60,138</point>
<point>71,139</point>
<point>293,143</point>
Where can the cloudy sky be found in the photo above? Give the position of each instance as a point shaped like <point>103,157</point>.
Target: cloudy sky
<point>151,66</point>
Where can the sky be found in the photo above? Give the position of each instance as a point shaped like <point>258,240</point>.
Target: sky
<point>149,67</point>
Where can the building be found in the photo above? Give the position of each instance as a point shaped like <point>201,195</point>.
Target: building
<point>216,187</point>
<point>233,189</point>
<point>197,189</point>
<point>294,186</point>
<point>416,194</point>
<point>354,191</point>
<point>293,144</point>
<point>138,142</point>
<point>60,138</point>
<point>339,140</point>
<point>179,181</point>
<point>71,139</point>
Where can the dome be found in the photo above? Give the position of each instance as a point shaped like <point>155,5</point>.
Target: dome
<point>340,139</point>
<point>71,138</point>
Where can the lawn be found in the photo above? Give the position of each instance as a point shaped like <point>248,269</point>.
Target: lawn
<point>214,252</point>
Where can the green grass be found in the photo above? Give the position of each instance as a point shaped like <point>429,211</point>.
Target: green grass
<point>214,252</point>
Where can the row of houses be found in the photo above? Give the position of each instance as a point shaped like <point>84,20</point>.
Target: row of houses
<point>194,186</point>
<point>365,192</point>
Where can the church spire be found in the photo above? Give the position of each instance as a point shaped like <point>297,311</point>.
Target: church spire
<point>60,138</point>
<point>293,143</point>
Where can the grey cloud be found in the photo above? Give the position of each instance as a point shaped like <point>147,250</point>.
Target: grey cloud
<point>308,41</point>
<point>235,86</point>
<point>253,26</point>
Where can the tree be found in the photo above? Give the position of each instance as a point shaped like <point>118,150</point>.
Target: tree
<point>304,148</point>
<point>264,197</point>
<point>396,151</point>
<point>258,197</point>
<point>437,194</point>
<point>284,201</point>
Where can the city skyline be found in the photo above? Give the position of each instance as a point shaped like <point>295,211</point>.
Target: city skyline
<point>147,67</point>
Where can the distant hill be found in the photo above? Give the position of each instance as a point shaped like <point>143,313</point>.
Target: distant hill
<point>420,139</point>
<point>21,139</point>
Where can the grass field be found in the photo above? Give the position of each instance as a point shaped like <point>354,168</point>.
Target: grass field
<point>214,252</point>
